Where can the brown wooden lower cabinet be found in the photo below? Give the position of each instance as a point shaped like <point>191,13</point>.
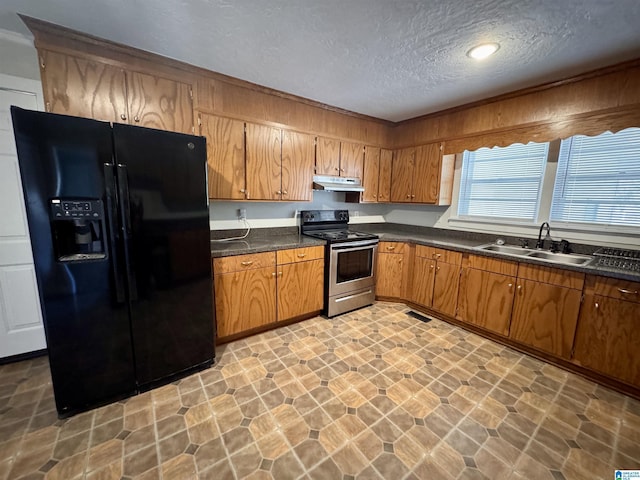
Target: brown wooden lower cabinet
<point>435,278</point>
<point>245,300</point>
<point>486,292</point>
<point>300,288</point>
<point>486,299</point>
<point>391,273</point>
<point>255,290</point>
<point>608,331</point>
<point>546,308</point>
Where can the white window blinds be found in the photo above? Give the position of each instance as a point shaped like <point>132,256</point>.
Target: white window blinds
<point>503,182</point>
<point>598,179</point>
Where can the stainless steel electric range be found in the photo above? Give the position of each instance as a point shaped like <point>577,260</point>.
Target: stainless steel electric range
<point>349,261</point>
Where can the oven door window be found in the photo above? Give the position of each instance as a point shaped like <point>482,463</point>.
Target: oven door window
<point>354,265</point>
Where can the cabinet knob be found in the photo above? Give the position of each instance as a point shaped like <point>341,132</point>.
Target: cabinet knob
<point>391,248</point>
<point>342,169</point>
<point>136,119</point>
<point>375,196</point>
<point>273,274</point>
<point>278,192</point>
<point>246,264</point>
<point>279,274</point>
<point>437,268</point>
<point>431,266</point>
<point>597,305</point>
<point>413,196</point>
<point>284,192</point>
<point>408,196</point>
<point>510,285</point>
<point>519,287</point>
<point>302,255</point>
<point>123,116</point>
<point>337,169</point>
<point>242,190</point>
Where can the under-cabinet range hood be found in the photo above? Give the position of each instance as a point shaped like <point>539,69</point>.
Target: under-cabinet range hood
<point>337,184</point>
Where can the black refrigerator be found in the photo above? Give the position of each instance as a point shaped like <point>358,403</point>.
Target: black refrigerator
<point>119,224</point>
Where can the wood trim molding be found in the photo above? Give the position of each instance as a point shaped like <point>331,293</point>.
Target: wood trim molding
<point>50,36</point>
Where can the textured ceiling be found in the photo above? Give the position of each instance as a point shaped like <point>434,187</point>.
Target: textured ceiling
<point>392,59</point>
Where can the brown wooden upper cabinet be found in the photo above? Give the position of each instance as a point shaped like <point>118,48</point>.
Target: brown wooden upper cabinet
<point>376,178</point>
<point>415,174</point>
<point>249,161</point>
<point>344,159</point>
<point>88,88</point>
<point>225,156</point>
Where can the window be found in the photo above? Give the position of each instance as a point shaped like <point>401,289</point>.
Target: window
<point>503,182</point>
<point>598,180</point>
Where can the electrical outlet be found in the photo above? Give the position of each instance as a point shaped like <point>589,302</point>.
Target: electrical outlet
<point>242,214</point>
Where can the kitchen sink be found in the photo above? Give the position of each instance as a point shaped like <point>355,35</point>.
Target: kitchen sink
<point>567,259</point>
<point>563,258</point>
<point>508,249</point>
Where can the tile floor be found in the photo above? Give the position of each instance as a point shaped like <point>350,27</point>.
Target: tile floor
<point>371,394</point>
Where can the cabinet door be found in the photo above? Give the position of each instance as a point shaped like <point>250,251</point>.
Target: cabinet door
<point>83,88</point>
<point>370,174</point>
<point>245,300</point>
<point>384,180</point>
<point>424,270</point>
<point>402,175</point>
<point>298,156</point>
<point>390,275</point>
<point>300,288</point>
<point>485,299</point>
<point>427,174</point>
<point>327,156</point>
<point>545,316</point>
<point>608,336</point>
<point>351,159</point>
<point>160,103</point>
<point>263,162</point>
<point>225,156</point>
<point>445,288</point>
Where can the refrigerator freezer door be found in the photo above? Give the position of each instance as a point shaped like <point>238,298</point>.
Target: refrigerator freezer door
<point>88,331</point>
<point>171,295</point>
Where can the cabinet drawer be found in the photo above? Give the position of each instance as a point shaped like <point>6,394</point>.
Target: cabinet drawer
<point>392,247</point>
<point>243,262</point>
<point>440,254</point>
<point>613,288</point>
<point>494,265</point>
<point>553,276</point>
<point>299,254</point>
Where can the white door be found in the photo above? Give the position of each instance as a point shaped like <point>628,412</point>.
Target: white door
<point>21,329</point>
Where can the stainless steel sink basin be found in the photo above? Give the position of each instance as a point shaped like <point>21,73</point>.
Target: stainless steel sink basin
<point>567,259</point>
<point>563,258</point>
<point>510,250</point>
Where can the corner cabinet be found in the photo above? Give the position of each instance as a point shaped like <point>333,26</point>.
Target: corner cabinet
<point>545,312</point>
<point>608,331</point>
<point>256,291</point>
<point>88,88</point>
<point>415,174</point>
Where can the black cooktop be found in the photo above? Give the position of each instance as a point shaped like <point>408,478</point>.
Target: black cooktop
<point>332,226</point>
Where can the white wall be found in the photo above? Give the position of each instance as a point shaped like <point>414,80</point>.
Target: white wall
<point>19,57</point>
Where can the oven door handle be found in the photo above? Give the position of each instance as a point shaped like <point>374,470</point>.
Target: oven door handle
<point>354,245</point>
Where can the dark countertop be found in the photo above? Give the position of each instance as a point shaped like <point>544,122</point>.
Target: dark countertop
<point>265,240</point>
<point>470,241</point>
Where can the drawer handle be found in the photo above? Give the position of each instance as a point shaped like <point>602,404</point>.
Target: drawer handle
<point>391,248</point>
<point>246,264</point>
<point>302,255</point>
<point>630,292</point>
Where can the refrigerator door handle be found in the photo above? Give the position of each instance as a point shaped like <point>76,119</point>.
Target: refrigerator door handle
<point>110,183</point>
<point>125,213</point>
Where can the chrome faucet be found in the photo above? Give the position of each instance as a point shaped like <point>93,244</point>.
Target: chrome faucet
<point>540,242</point>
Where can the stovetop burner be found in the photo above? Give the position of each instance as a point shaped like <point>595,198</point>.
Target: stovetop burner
<point>332,226</point>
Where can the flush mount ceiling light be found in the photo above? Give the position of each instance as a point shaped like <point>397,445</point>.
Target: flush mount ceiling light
<point>480,52</point>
